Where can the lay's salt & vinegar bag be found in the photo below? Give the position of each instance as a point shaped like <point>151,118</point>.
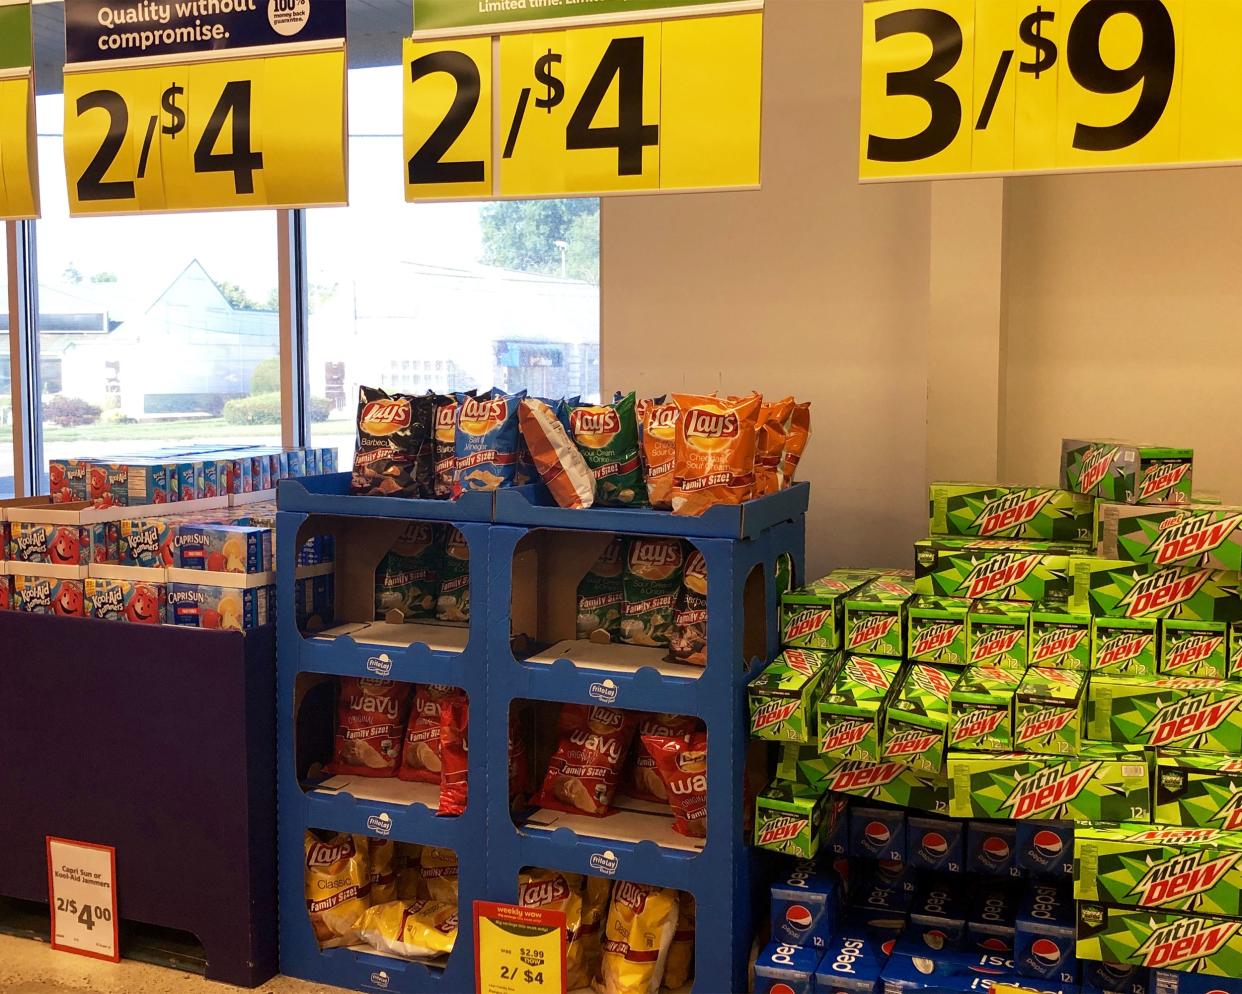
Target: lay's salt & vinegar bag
<point>486,441</point>
<point>607,437</point>
<point>716,444</point>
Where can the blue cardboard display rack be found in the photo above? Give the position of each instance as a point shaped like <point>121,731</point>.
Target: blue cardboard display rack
<point>493,847</point>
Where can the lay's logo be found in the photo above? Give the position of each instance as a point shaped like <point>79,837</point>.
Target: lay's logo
<point>478,417</point>
<point>595,421</point>
<point>703,423</point>
<point>385,417</point>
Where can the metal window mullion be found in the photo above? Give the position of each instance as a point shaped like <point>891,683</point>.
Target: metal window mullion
<point>23,304</point>
<point>294,321</point>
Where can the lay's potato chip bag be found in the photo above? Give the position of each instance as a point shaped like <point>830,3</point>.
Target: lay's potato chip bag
<point>383,855</point>
<point>659,449</point>
<point>607,437</point>
<point>641,923</point>
<point>688,641</point>
<point>556,458</point>
<point>681,762</point>
<point>370,726</point>
<point>651,584</point>
<point>410,886</point>
<point>487,441</point>
<point>600,595</point>
<point>559,891</point>
<point>716,443</point>
<point>645,782</point>
<point>338,886</point>
<point>596,895</point>
<point>438,870</point>
<point>770,445</point>
<point>410,929</point>
<point>679,967</point>
<point>797,437</point>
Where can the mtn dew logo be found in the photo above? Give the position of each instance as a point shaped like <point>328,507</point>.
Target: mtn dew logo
<point>1042,723</point>
<point>774,712</point>
<point>996,643</point>
<point>931,680</point>
<point>1182,879</point>
<point>911,742</point>
<point>1120,649</point>
<point>1186,941</point>
<point>1230,813</point>
<point>867,673</point>
<point>780,829</point>
<point>856,776</point>
<point>802,662</point>
<point>1190,536</point>
<point>1161,477</point>
<point>843,735</point>
<point>1010,512</point>
<point>1169,835</point>
<point>1162,590</point>
<point>1044,793</point>
<point>1193,650</point>
<point>933,638</point>
<point>1095,465</point>
<point>873,629</point>
<point>979,722</point>
<point>1188,719</point>
<point>806,623</point>
<point>990,576</point>
<point>1057,644</point>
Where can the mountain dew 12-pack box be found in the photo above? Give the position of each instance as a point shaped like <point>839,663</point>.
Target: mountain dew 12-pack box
<point>783,697</point>
<point>1161,940</point>
<point>995,569</point>
<point>1152,866</point>
<point>1102,783</point>
<point>980,510</point>
<point>850,714</point>
<point>918,718</point>
<point>937,629</point>
<point>792,818</point>
<point>981,709</point>
<point>1194,648</point>
<point>1125,646</point>
<point>1126,472</point>
<point>1201,536</point>
<point>1048,712</point>
<point>890,783</point>
<point>1183,712</point>
<point>1115,589</point>
<point>875,618</point>
<point>1060,637</point>
<point>998,633</point>
<point>1198,790</point>
<point>813,617</point>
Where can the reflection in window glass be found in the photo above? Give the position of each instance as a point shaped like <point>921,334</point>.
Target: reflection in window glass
<point>157,332</point>
<point>442,296</point>
<point>6,383</point>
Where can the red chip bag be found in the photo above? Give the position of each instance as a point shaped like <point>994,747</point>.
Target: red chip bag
<point>682,764</point>
<point>420,759</point>
<point>645,782</point>
<point>584,771</point>
<point>520,785</point>
<point>370,726</point>
<point>454,753</point>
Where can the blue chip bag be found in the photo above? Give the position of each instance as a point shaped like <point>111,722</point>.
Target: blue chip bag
<point>487,440</point>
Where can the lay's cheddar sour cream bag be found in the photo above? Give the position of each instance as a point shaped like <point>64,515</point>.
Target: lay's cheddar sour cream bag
<point>716,444</point>
<point>659,447</point>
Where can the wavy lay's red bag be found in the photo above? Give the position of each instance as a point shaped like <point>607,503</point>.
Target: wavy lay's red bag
<point>607,437</point>
<point>584,771</point>
<point>370,726</point>
<point>420,761</point>
<point>681,762</point>
<point>486,441</point>
<point>716,442</point>
<point>659,426</point>
<point>645,782</point>
<point>797,437</point>
<point>770,445</point>
<point>454,754</point>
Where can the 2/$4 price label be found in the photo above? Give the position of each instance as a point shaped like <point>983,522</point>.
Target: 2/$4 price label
<point>955,87</point>
<point>655,106</point>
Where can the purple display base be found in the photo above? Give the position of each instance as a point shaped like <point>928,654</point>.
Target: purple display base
<point>161,742</point>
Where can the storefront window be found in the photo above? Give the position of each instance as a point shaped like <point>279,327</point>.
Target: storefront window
<point>442,296</point>
<point>154,332</point>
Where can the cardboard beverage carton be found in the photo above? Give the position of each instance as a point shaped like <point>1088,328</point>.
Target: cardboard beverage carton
<point>852,964</point>
<point>1060,637</point>
<point>935,843</point>
<point>990,925</point>
<point>219,605</point>
<point>1166,711</point>
<point>1103,783</point>
<point>790,818</point>
<point>1114,978</point>
<point>875,618</point>
<point>1199,536</point>
<point>1126,472</point>
<point>1235,649</point>
<point>1113,589</point>
<point>1156,939</point>
<point>937,627</point>
<point>785,969</point>
<point>1198,790</point>
<point>1045,933</point>
<point>891,783</point>
<point>990,848</point>
<point>783,697</point>
<point>804,907</point>
<point>1194,648</point>
<point>877,833</point>
<point>850,715</point>
<point>998,634</point>
<point>1176,982</point>
<point>918,718</point>
<point>1125,646</point>
<point>981,709</point>
<point>978,569</point>
<point>938,913</point>
<point>131,601</point>
<point>973,510</point>
<point>40,593</point>
<point>1045,848</point>
<point>223,548</point>
<point>1048,712</point>
<point>813,617</point>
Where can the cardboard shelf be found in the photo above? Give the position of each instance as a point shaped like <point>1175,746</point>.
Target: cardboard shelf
<point>382,790</point>
<point>615,657</point>
<point>625,825</point>
<point>438,638</point>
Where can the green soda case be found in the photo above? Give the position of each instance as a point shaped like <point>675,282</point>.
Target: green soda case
<point>998,633</point>
<point>1166,711</point>
<point>1195,535</point>
<point>1235,649</point>
<point>981,709</point>
<point>891,783</point>
<point>1144,867</point>
<point>1194,648</point>
<point>1198,790</point>
<point>980,510</point>
<point>1000,570</point>
<point>1114,589</point>
<point>937,629</point>
<point>1103,783</point>
<point>790,818</point>
<point>1048,712</point>
<point>1123,471</point>
<point>875,618</point>
<point>1125,646</point>
<point>783,697</point>
<point>1160,940</point>
<point>918,718</point>
<point>1060,637</point>
<point>850,714</point>
<point>812,618</point>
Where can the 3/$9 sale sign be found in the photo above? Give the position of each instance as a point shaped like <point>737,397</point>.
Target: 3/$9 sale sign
<point>204,104</point>
<point>668,102</point>
<point>19,174</point>
<point>955,87</point>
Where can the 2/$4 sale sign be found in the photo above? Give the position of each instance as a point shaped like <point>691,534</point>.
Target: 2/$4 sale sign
<point>955,87</point>
<point>19,174</point>
<point>204,104</point>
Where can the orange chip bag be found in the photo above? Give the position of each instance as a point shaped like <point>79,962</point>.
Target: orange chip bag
<point>770,445</point>
<point>383,855</point>
<point>645,782</point>
<point>659,447</point>
<point>454,754</point>
<point>561,466</point>
<point>681,762</point>
<point>716,442</point>
<point>584,771</point>
<point>370,725</point>
<point>641,923</point>
<point>679,967</point>
<point>559,892</point>
<point>338,886</point>
<point>410,929</point>
<point>798,435</point>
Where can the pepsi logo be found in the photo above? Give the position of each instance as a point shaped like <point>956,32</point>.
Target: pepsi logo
<point>877,833</point>
<point>1048,844</point>
<point>935,845</point>
<point>994,945</point>
<point>888,946</point>
<point>779,988</point>
<point>935,939</point>
<point>1046,952</point>
<point>996,849</point>
<point>798,917</point>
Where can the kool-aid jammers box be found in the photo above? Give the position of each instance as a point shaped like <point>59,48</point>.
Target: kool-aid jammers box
<point>146,542</point>
<point>202,605</point>
<point>63,596</point>
<point>60,545</point>
<point>223,548</point>
<point>125,600</point>
<point>67,479</point>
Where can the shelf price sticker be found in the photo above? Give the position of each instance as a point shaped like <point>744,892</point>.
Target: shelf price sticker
<point>19,172</point>
<point>81,880</point>
<point>182,107</point>
<point>655,106</point>
<point>518,950</point>
<point>959,87</point>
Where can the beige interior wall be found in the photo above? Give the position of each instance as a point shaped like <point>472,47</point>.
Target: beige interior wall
<point>814,286</point>
<point>1125,317</point>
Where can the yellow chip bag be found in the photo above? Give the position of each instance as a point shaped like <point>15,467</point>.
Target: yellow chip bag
<point>559,892</point>
<point>383,870</point>
<point>439,873</point>
<point>678,969</point>
<point>410,886</point>
<point>338,885</point>
<point>595,897</point>
<point>410,929</point>
<point>641,923</point>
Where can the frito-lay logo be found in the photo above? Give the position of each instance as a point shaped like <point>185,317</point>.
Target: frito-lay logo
<point>1181,878</point>
<point>1161,477</point>
<point>385,417</point>
<point>1230,813</point>
<point>933,638</point>
<point>1194,650</point>
<point>1095,465</point>
<point>1186,537</point>
<point>1046,721</point>
<point>1056,644</point>
<point>853,775</point>
<point>1165,589</point>
<point>872,630</point>
<point>801,662</point>
<point>980,722</point>
<point>1188,718</point>
<point>1048,790</point>
<point>806,623</point>
<point>867,673</point>
<point>843,735</point>
<point>1186,941</point>
<point>996,573</point>
<point>540,893</point>
<point>995,643</point>
<point>931,680</point>
<point>1122,649</point>
<point>1010,512</point>
<point>772,713</point>
<point>911,743</point>
<point>780,829</point>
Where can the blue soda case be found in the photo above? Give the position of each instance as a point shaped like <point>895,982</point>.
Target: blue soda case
<point>1045,848</point>
<point>1113,978</point>
<point>804,907</point>
<point>938,913</point>
<point>877,833</point>
<point>785,969</point>
<point>934,843</point>
<point>990,926</point>
<point>852,964</point>
<point>1046,934</point>
<point>990,848</point>
<point>1169,982</point>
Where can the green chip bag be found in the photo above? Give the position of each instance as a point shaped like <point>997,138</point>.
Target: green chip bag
<point>453,604</point>
<point>651,583</point>
<point>599,593</point>
<point>408,577</point>
<point>607,437</point>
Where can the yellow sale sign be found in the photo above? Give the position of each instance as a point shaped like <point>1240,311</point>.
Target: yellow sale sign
<point>19,173</point>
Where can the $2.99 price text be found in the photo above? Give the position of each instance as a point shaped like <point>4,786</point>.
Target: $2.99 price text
<point>998,86</point>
